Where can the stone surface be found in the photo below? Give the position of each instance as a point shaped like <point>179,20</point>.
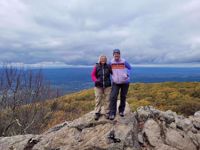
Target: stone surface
<point>179,140</point>
<point>197,114</point>
<point>184,124</point>
<point>152,132</point>
<point>145,129</point>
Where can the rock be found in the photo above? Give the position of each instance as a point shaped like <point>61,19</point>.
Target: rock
<point>196,125</point>
<point>82,133</point>
<point>146,112</point>
<point>184,124</point>
<point>18,142</point>
<point>172,125</point>
<point>197,114</point>
<point>168,116</point>
<point>196,122</point>
<point>179,140</point>
<point>195,138</point>
<point>145,129</point>
<point>165,147</point>
<point>140,138</point>
<point>152,132</point>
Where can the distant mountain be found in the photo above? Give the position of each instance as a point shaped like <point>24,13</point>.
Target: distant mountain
<point>76,79</point>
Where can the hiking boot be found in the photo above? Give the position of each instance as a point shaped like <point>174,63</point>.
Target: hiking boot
<point>112,117</point>
<point>121,114</point>
<point>97,116</point>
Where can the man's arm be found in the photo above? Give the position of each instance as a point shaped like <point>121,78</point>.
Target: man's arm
<point>127,65</point>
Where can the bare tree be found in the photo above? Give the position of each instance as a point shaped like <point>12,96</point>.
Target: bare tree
<point>20,92</point>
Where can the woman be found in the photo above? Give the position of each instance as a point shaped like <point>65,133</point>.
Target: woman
<point>101,77</point>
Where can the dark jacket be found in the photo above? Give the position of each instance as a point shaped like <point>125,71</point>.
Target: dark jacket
<point>101,75</point>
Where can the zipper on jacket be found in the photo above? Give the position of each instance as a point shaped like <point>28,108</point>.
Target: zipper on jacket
<point>117,71</point>
<point>103,77</point>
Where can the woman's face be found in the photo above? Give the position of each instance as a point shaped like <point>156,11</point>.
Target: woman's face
<point>103,60</point>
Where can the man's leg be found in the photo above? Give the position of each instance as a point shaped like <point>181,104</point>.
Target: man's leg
<point>124,91</point>
<point>113,99</point>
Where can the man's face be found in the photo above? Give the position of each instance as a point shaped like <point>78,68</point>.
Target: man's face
<point>116,56</point>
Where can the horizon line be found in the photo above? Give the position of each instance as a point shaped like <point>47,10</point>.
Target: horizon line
<point>63,65</point>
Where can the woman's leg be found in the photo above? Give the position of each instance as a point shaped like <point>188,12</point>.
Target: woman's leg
<point>98,99</point>
<point>107,99</point>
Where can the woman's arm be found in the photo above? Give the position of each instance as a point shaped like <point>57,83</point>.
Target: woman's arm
<point>93,74</point>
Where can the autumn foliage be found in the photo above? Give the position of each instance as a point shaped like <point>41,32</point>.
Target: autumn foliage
<point>181,97</point>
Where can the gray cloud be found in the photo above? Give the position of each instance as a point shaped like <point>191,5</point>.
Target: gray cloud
<point>77,32</point>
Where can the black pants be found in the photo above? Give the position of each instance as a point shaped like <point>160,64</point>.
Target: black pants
<point>123,88</point>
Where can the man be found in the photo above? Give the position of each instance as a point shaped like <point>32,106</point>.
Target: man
<point>120,83</point>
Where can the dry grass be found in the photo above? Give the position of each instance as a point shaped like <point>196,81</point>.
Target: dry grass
<point>184,98</point>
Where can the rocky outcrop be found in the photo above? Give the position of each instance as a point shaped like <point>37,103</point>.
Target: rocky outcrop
<point>167,130</point>
<point>147,128</point>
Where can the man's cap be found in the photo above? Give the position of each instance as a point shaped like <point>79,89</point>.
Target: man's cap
<point>116,51</point>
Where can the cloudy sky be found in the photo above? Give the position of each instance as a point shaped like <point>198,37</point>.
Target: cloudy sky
<point>76,32</point>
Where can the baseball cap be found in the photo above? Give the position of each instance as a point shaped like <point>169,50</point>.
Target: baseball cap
<point>116,51</point>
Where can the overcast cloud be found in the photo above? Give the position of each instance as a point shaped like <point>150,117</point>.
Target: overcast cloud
<point>76,32</point>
